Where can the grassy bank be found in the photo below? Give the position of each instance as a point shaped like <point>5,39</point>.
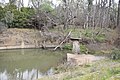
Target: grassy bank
<point>101,70</point>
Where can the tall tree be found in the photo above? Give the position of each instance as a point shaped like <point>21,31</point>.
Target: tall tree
<point>90,4</point>
<point>12,1</point>
<point>118,17</point>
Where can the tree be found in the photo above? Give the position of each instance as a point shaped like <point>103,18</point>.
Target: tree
<point>12,2</point>
<point>118,17</point>
<point>2,13</point>
<point>90,4</point>
<point>81,13</point>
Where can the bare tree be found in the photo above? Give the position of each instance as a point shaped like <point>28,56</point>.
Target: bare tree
<point>118,17</point>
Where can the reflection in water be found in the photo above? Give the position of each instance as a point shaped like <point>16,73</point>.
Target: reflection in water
<point>28,64</point>
<point>3,76</point>
<point>25,75</point>
<point>22,51</point>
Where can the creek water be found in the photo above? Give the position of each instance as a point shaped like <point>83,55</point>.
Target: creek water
<point>28,64</point>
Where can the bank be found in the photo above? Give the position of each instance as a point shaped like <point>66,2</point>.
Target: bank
<point>101,70</point>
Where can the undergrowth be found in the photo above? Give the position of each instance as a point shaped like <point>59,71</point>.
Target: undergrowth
<point>101,70</point>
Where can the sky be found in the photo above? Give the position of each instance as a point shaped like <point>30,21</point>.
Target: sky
<point>54,2</point>
<point>26,2</point>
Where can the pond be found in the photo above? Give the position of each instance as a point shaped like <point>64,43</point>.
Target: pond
<point>28,64</point>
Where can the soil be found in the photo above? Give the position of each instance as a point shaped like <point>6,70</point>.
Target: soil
<point>15,37</point>
<point>23,38</point>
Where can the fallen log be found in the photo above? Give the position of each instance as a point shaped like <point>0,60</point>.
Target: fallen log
<point>63,40</point>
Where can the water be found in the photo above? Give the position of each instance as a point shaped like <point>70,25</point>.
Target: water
<point>28,64</point>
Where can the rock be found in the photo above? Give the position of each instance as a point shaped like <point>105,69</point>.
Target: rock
<point>82,59</point>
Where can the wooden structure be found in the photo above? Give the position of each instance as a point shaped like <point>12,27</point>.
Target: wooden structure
<point>76,46</point>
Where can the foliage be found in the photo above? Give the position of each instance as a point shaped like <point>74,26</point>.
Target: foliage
<point>115,54</point>
<point>17,18</point>
<point>9,18</point>
<point>92,35</point>
<point>28,11</point>
<point>21,17</point>
<point>100,70</point>
<point>10,7</point>
<point>83,49</point>
<point>105,73</point>
<point>2,13</point>
<point>46,7</point>
<point>100,38</point>
<point>87,33</point>
<point>67,46</point>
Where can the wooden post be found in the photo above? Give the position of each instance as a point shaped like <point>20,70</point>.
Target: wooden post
<point>76,47</point>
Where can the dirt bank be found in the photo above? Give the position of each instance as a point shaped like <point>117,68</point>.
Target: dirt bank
<point>16,37</point>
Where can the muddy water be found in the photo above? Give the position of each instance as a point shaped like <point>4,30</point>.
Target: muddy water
<point>28,64</point>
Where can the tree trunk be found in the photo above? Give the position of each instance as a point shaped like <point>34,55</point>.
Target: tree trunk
<point>118,17</point>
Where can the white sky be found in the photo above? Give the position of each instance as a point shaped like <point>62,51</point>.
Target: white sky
<point>26,2</point>
<point>54,2</point>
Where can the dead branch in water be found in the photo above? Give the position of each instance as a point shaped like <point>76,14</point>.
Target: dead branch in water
<point>63,40</point>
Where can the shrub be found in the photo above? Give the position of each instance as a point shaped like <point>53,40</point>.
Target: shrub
<point>87,33</point>
<point>100,38</point>
<point>115,54</point>
<point>22,17</point>
<point>46,7</point>
<point>83,49</point>
<point>68,46</point>
<point>2,13</point>
<point>15,18</point>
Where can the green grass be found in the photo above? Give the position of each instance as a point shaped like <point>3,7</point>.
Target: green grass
<point>96,34</point>
<point>101,70</point>
<point>107,69</point>
<point>100,38</point>
<point>115,54</point>
<point>83,49</point>
<point>67,46</point>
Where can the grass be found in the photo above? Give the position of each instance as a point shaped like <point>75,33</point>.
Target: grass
<point>101,70</point>
<point>68,46</point>
<point>107,69</point>
<point>100,38</point>
<point>83,48</point>
<point>98,34</point>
